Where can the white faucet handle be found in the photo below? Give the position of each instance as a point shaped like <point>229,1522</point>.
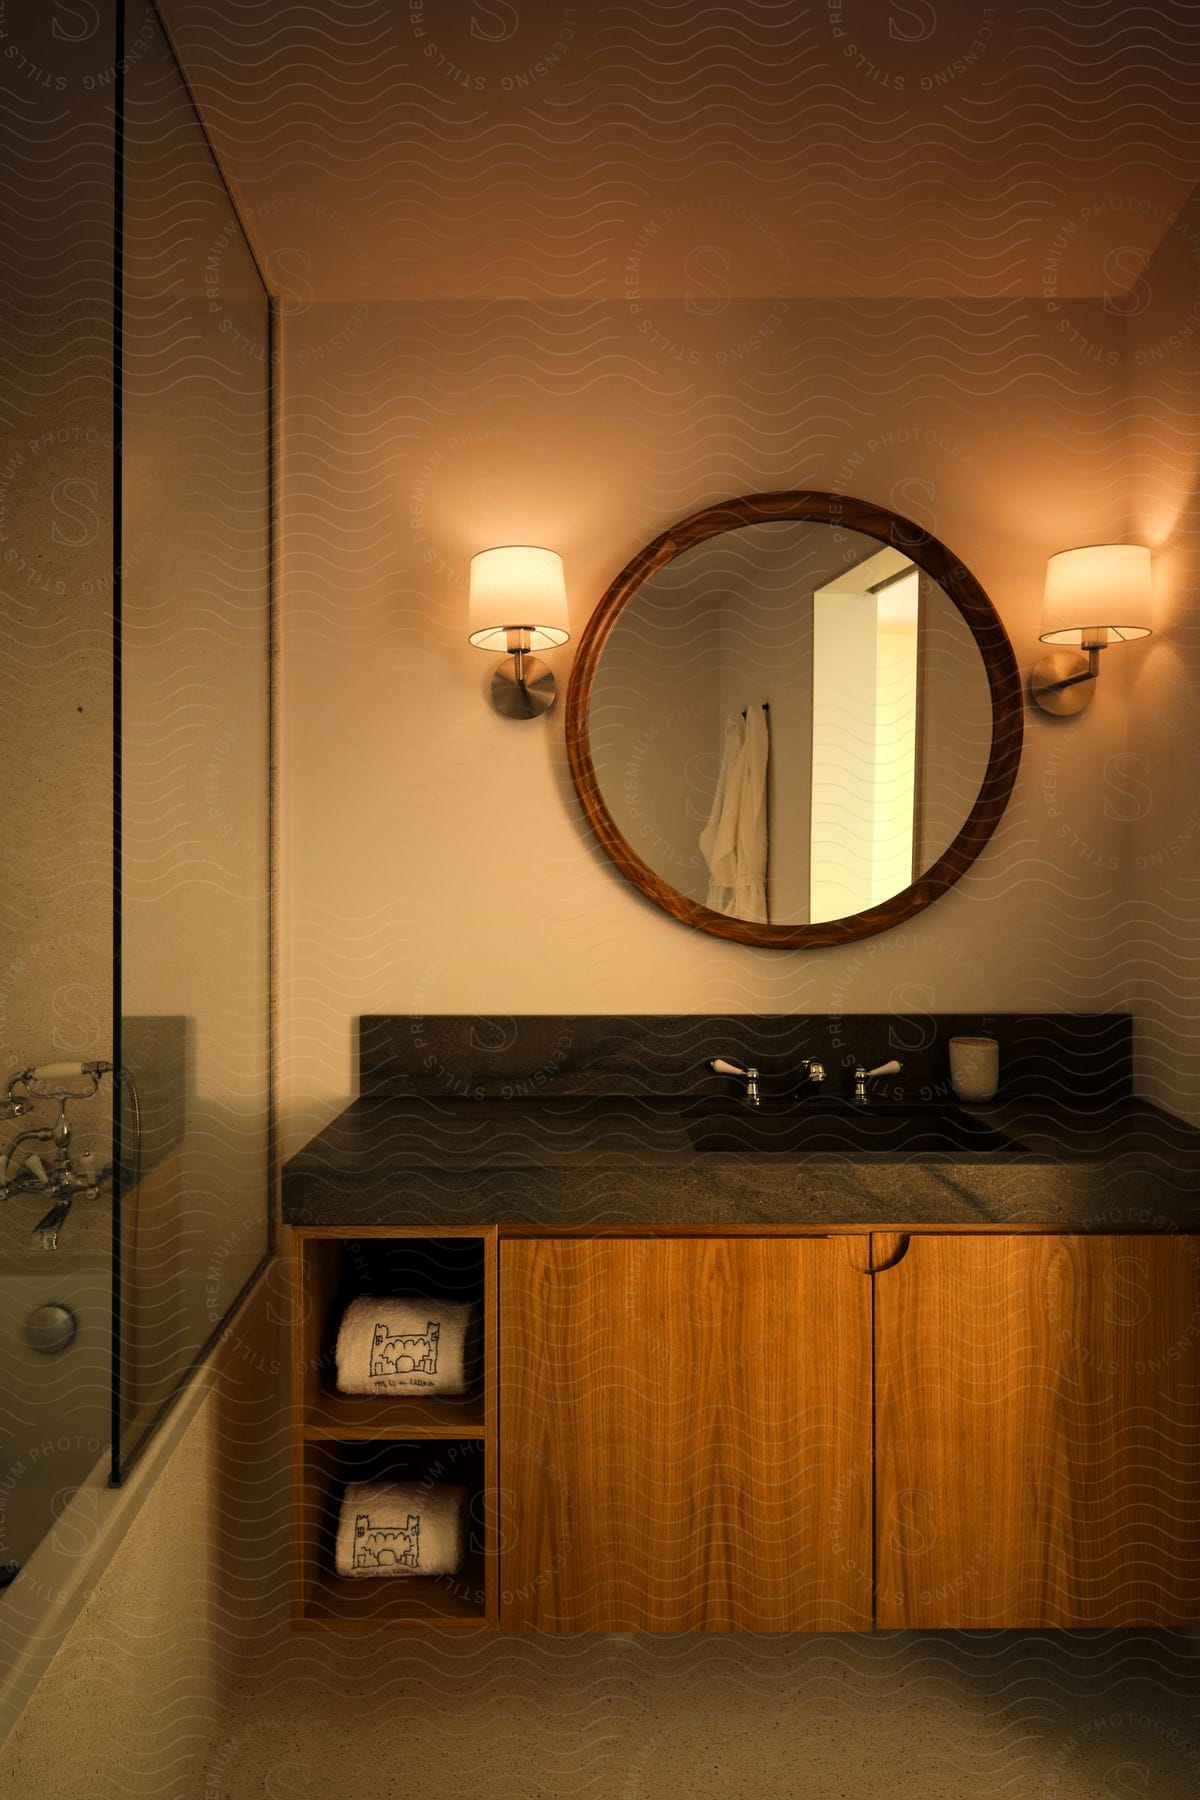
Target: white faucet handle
<point>887,1068</point>
<point>720,1065</point>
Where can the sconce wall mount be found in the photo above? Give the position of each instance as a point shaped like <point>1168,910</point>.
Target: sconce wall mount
<point>1061,683</point>
<point>522,685</point>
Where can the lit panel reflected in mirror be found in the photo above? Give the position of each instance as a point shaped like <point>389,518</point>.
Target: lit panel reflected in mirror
<point>864,736</point>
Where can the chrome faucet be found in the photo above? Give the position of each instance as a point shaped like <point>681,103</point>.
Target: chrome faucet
<point>68,1178</point>
<point>46,1230</point>
<point>863,1075</point>
<point>724,1065</point>
<point>812,1070</point>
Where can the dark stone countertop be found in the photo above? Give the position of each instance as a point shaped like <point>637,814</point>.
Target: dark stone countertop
<point>611,1161</point>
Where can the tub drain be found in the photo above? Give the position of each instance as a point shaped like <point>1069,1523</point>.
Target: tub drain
<point>50,1328</point>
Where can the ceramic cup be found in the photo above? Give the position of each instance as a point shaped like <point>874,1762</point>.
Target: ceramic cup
<point>974,1067</point>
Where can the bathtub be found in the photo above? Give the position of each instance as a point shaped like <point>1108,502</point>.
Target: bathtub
<point>60,1511</point>
<point>54,1408</point>
<point>58,1515</point>
<point>54,1455</point>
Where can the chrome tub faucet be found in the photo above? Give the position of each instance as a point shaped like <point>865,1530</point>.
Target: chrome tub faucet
<point>46,1230</point>
<point>69,1177</point>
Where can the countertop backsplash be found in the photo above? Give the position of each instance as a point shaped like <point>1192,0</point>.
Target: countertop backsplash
<point>1067,1059</point>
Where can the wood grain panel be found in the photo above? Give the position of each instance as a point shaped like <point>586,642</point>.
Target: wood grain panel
<point>685,1435</point>
<point>1038,1432</point>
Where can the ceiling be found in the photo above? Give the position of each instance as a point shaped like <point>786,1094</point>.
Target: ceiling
<point>480,150</point>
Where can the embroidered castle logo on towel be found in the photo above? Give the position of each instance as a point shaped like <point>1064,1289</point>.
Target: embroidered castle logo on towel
<point>414,1354</point>
<point>387,1546</point>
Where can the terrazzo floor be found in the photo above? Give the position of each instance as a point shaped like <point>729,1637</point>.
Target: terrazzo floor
<point>1090,1716</point>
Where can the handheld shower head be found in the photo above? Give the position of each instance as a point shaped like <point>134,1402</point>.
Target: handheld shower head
<point>15,1106</point>
<point>65,1071</point>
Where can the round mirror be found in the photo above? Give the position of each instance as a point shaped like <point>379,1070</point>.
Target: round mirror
<point>794,719</point>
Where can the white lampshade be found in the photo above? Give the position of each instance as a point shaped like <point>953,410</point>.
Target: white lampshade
<point>1097,595</point>
<point>518,587</point>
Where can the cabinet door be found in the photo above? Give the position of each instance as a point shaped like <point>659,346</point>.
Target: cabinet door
<point>1038,1432</point>
<point>685,1434</point>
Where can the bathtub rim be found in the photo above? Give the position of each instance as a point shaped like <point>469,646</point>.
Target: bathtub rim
<point>71,1580</point>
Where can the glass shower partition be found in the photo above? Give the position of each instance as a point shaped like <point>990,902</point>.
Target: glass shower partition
<point>193,863</point>
<point>57,436</point>
<point>135,720</point>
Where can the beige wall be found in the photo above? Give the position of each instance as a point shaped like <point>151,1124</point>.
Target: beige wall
<point>431,849</point>
<point>56,494</point>
<point>56,916</point>
<point>196,749</point>
<point>1155,783</point>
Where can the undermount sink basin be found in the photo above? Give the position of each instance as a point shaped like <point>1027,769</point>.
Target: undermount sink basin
<point>824,1129</point>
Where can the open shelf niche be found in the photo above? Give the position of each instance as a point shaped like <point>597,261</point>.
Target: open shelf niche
<point>338,1438</point>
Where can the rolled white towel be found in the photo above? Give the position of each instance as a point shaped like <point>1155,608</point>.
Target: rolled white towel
<point>401,1528</point>
<point>410,1346</point>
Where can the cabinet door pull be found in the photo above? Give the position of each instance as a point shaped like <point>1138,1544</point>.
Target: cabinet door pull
<point>887,1249</point>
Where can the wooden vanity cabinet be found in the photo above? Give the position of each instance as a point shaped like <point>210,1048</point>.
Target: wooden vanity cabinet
<point>782,1432</point>
<point>1037,1441</point>
<point>685,1434</point>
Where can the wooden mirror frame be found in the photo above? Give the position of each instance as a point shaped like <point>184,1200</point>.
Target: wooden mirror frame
<point>955,579</point>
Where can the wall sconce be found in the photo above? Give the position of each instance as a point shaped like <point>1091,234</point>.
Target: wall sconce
<point>1100,581</point>
<point>519,582</point>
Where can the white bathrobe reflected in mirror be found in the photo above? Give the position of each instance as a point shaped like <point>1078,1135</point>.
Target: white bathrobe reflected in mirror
<point>734,842</point>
